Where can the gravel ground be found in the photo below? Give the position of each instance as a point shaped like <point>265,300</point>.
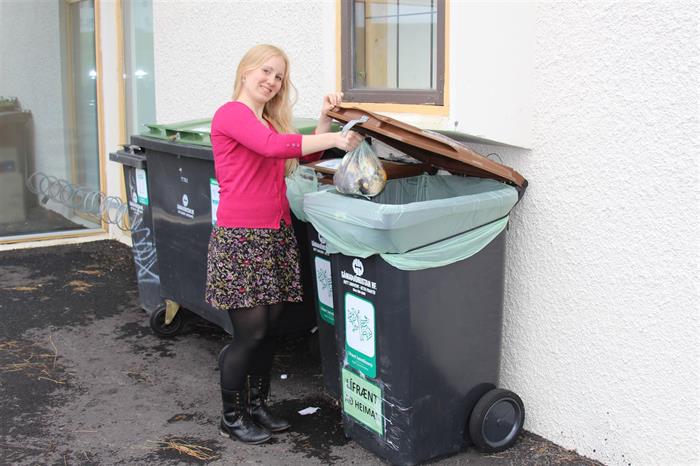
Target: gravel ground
<point>83,380</point>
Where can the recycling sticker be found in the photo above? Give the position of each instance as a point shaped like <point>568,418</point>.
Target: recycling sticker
<point>324,285</point>
<point>362,400</point>
<point>141,187</point>
<point>360,335</point>
<point>214,192</point>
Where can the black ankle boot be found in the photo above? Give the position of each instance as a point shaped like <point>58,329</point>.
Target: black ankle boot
<point>259,389</point>
<point>236,421</point>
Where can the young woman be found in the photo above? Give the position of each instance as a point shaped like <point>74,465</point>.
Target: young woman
<point>253,260</point>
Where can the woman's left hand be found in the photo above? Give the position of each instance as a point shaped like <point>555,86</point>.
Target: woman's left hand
<point>329,101</point>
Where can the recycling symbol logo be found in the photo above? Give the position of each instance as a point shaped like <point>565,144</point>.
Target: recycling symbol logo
<point>357,267</point>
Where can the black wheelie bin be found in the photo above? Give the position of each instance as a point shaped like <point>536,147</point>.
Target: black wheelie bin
<point>418,276</point>
<point>184,198</point>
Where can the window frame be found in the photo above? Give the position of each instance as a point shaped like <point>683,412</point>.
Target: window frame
<point>130,94</point>
<point>421,97</point>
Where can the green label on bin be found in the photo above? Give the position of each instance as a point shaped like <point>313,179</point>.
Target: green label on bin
<point>362,400</point>
<point>214,191</point>
<point>324,285</point>
<point>360,347</point>
<point>141,187</point>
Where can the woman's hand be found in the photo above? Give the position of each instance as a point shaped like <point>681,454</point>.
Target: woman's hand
<point>313,143</point>
<point>349,141</point>
<point>329,101</point>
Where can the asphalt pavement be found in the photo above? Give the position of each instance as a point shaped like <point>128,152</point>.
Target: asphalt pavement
<point>84,381</point>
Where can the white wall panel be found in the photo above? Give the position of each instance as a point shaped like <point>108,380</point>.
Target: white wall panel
<point>198,45</point>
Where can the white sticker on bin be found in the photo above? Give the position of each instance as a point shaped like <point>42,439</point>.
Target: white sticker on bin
<point>141,187</point>
<point>214,196</point>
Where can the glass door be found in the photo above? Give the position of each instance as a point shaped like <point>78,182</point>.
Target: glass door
<point>49,157</point>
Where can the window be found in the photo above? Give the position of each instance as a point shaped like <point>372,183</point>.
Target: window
<point>393,51</point>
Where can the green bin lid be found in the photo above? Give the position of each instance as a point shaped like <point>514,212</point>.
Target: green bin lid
<point>8,105</point>
<point>185,132</point>
<point>198,132</point>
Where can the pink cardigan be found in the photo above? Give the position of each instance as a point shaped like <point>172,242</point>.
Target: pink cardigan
<point>249,164</point>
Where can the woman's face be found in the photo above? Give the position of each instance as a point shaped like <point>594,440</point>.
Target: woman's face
<point>263,83</point>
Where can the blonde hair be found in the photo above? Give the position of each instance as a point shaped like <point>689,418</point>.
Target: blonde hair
<point>278,110</point>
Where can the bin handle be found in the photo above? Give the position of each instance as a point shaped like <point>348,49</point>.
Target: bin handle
<point>351,123</point>
<point>131,148</point>
<point>175,137</point>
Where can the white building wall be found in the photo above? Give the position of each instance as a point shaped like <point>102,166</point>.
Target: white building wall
<point>490,70</point>
<point>601,321</point>
<point>199,44</point>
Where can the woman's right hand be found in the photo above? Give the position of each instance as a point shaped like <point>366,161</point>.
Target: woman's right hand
<point>313,143</point>
<point>348,141</point>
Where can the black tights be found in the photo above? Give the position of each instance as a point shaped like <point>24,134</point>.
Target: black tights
<point>252,348</point>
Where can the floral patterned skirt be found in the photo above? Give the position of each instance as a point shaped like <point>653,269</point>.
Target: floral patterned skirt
<point>249,267</point>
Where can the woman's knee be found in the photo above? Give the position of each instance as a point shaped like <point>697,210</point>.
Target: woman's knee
<point>250,325</point>
<point>251,340</point>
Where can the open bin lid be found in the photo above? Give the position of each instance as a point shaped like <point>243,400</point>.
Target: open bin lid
<point>198,132</point>
<point>429,147</point>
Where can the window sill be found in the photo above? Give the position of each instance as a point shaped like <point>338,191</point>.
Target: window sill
<point>442,110</point>
<point>52,239</point>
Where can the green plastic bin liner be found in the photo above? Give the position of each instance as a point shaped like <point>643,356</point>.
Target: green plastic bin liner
<point>448,251</point>
<point>302,181</point>
<point>422,212</point>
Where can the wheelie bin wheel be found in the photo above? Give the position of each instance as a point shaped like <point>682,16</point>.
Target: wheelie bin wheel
<point>159,327</point>
<point>496,421</point>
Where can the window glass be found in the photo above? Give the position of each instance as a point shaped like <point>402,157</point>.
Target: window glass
<point>393,46</point>
<point>49,157</point>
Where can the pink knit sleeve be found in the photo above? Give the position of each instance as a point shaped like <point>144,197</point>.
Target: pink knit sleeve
<point>238,122</point>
